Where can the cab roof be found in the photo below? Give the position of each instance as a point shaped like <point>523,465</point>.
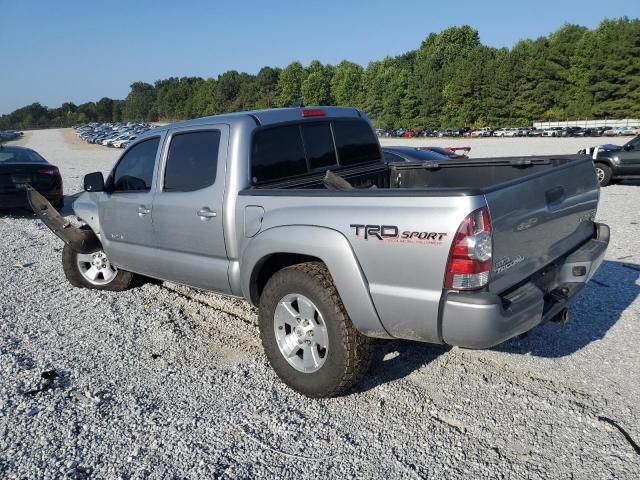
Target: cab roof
<point>265,117</point>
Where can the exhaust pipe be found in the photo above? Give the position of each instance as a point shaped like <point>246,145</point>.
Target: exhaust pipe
<point>562,317</point>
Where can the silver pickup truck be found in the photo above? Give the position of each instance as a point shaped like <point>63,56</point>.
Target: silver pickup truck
<point>295,211</point>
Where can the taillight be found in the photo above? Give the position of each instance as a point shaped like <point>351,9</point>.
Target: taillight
<point>314,112</point>
<point>470,256</point>
<point>50,171</point>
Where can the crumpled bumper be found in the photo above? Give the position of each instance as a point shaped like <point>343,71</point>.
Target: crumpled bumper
<point>80,240</point>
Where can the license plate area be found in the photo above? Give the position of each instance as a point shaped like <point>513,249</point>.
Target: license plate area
<point>20,181</point>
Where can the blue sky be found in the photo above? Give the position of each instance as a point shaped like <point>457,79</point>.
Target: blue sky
<point>54,51</point>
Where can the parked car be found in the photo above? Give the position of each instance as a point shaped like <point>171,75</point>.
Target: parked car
<point>506,132</point>
<point>125,139</point>
<point>614,163</point>
<point>450,152</point>
<point>482,132</point>
<point>552,132</point>
<point>409,134</point>
<point>8,135</point>
<point>624,131</point>
<point>19,167</point>
<point>411,154</point>
<point>471,253</point>
<point>111,134</point>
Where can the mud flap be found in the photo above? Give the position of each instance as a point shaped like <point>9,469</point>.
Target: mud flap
<point>82,241</point>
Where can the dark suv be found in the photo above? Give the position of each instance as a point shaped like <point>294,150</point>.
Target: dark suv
<point>614,163</point>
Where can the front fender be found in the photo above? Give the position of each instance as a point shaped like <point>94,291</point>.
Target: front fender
<point>80,240</point>
<point>335,251</point>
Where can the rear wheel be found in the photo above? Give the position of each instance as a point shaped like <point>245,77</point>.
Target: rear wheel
<point>307,335</point>
<point>94,270</point>
<point>603,172</point>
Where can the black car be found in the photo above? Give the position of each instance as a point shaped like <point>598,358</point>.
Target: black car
<point>20,166</point>
<point>411,154</point>
<point>614,162</point>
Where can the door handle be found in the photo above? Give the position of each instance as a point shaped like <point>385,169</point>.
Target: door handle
<point>554,195</point>
<point>206,213</point>
<point>142,210</point>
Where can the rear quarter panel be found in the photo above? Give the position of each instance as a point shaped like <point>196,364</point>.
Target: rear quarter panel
<point>404,275</point>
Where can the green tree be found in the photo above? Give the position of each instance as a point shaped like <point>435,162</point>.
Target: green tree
<point>140,102</point>
<point>316,87</point>
<point>266,83</point>
<point>104,109</point>
<point>289,87</point>
<point>346,84</point>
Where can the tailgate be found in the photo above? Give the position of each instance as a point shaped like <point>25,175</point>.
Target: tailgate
<point>539,218</point>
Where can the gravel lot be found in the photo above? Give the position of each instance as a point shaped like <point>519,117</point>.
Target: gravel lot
<point>166,382</point>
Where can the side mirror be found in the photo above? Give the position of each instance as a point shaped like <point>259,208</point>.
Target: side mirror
<point>628,147</point>
<point>93,182</point>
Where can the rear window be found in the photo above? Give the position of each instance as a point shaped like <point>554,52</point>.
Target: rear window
<point>11,155</point>
<point>318,143</point>
<point>292,150</point>
<point>355,141</point>
<point>277,153</point>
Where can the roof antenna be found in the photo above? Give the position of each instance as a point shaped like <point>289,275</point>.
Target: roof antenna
<point>297,104</point>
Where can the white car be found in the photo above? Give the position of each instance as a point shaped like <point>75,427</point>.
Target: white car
<point>119,143</point>
<point>107,142</point>
<point>482,132</point>
<point>506,132</point>
<point>625,131</point>
<point>552,132</point>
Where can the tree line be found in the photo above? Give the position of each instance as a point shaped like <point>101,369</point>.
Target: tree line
<point>451,80</point>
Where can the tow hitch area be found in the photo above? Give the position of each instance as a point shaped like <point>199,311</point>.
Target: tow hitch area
<point>82,241</point>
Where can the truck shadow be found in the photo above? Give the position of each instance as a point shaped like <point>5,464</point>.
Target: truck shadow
<point>395,359</point>
<point>597,308</point>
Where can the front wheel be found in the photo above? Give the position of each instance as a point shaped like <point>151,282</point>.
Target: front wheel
<point>94,270</point>
<point>603,172</point>
<point>307,335</point>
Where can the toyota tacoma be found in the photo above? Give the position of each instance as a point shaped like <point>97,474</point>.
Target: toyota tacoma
<point>296,211</point>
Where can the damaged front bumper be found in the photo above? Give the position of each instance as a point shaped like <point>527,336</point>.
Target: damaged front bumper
<point>79,239</point>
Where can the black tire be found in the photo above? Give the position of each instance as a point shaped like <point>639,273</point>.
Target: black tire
<point>123,280</point>
<point>349,353</point>
<point>603,172</point>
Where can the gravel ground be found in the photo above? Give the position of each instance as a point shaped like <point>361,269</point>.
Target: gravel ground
<point>166,382</point>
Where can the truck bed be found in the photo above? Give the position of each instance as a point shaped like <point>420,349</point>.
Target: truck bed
<point>541,208</point>
<point>470,176</point>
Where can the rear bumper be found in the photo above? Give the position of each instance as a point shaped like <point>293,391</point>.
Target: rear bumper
<point>19,199</point>
<point>484,319</point>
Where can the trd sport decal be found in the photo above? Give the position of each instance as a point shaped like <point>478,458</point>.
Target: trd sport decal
<point>391,233</point>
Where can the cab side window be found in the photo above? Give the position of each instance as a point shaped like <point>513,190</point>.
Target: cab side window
<point>134,172</point>
<point>192,161</point>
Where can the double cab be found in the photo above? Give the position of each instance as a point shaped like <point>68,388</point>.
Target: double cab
<point>296,211</point>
